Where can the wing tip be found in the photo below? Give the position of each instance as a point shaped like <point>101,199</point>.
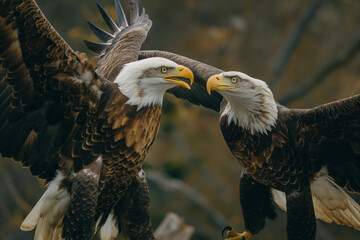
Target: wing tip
<point>122,22</point>
<point>111,25</point>
<point>100,33</point>
<point>122,27</point>
<point>95,46</point>
<point>27,227</point>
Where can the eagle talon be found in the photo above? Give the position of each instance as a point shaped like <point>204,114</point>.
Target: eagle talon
<point>231,234</point>
<point>226,228</point>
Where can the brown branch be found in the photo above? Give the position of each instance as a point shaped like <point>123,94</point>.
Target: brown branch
<point>292,40</point>
<point>333,65</point>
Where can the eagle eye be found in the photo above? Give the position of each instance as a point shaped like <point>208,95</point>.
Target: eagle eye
<point>164,69</point>
<point>234,79</point>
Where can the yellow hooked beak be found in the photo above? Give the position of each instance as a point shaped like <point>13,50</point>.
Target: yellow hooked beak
<point>215,83</point>
<point>178,79</point>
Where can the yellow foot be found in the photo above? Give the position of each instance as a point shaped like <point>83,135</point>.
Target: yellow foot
<point>230,234</point>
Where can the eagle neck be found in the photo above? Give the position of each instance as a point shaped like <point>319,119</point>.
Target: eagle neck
<point>256,113</point>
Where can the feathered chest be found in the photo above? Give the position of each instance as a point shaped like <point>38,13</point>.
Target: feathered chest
<point>120,133</point>
<point>249,149</point>
<point>261,155</point>
<point>132,131</point>
<point>127,134</point>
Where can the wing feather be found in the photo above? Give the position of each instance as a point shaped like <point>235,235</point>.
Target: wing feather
<point>125,46</point>
<point>333,133</point>
<point>111,25</point>
<point>46,89</point>
<point>331,202</point>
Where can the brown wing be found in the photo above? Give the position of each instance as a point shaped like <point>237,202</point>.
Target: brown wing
<point>332,133</point>
<point>198,94</point>
<point>46,89</point>
<point>125,47</point>
<point>122,45</point>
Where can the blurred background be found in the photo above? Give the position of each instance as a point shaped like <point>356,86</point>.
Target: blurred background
<point>307,51</point>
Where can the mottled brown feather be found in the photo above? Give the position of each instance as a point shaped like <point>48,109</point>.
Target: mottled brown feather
<point>330,134</point>
<point>300,144</point>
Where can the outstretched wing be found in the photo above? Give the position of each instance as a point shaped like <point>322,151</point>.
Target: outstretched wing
<point>122,44</point>
<point>333,133</point>
<point>119,35</point>
<point>46,89</point>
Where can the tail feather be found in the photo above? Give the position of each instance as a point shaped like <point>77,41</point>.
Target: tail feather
<point>32,218</point>
<point>109,230</point>
<point>49,210</point>
<point>331,202</point>
<point>57,234</point>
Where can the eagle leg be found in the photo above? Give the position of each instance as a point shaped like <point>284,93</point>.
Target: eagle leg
<point>301,223</point>
<point>79,220</point>
<point>133,211</point>
<point>256,203</point>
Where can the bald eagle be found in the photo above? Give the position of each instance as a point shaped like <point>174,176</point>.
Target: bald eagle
<point>300,158</point>
<point>85,126</point>
<point>301,150</point>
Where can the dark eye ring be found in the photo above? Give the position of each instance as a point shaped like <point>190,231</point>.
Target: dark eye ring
<point>234,79</point>
<point>164,69</point>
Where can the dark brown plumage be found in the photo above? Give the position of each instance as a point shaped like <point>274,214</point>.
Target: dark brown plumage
<point>317,149</point>
<point>65,117</point>
<point>302,158</point>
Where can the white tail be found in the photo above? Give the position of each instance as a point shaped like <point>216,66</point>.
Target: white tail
<point>109,230</point>
<point>48,212</point>
<point>331,202</point>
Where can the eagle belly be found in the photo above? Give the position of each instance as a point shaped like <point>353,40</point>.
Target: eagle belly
<point>267,158</point>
